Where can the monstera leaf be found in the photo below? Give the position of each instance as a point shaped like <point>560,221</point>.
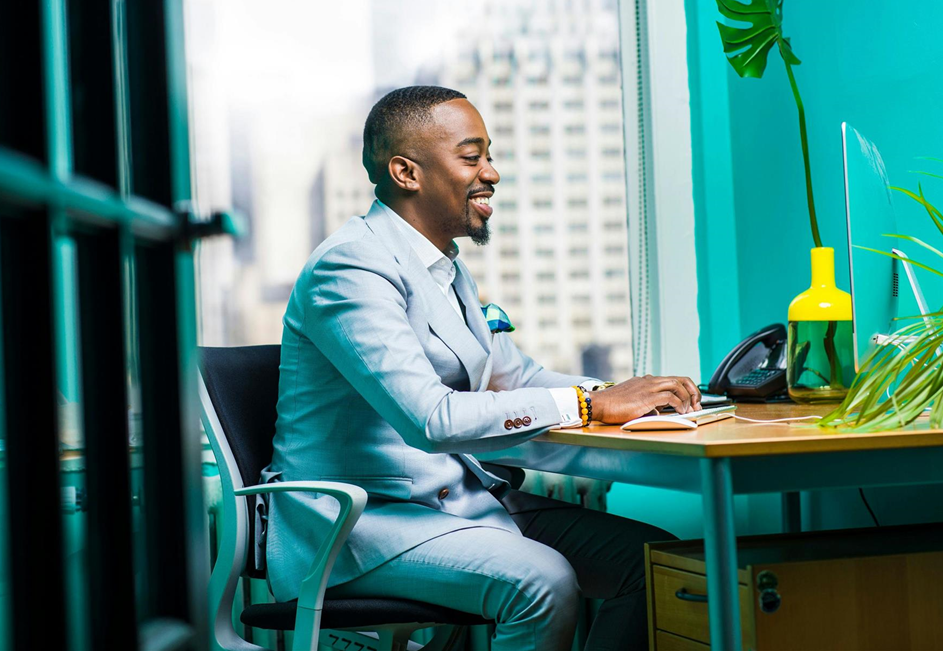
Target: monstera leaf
<point>747,49</point>
<point>752,44</point>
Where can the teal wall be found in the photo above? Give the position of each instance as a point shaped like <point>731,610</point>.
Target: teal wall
<point>680,513</point>
<point>876,65</point>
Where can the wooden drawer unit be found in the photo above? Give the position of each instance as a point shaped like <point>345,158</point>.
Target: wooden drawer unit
<point>868,589</point>
<point>678,601</point>
<point>672,642</point>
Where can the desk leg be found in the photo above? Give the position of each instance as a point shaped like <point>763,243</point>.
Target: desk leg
<point>792,512</point>
<point>720,552</point>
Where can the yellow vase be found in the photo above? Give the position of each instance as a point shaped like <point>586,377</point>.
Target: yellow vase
<point>820,360</point>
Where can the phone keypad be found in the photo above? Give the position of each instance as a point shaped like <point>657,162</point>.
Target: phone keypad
<point>757,376</point>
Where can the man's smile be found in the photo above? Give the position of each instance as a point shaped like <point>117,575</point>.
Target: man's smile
<point>482,201</point>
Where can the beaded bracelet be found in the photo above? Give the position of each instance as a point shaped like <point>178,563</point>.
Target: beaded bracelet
<point>586,405</point>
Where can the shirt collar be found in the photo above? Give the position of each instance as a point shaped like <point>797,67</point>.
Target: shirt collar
<point>428,253</point>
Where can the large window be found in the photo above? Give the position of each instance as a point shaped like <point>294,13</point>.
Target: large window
<point>279,95</point>
<point>100,543</point>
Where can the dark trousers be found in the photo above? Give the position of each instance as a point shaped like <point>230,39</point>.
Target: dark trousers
<point>607,553</point>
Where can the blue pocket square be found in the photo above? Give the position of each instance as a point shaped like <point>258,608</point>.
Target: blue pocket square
<point>497,318</point>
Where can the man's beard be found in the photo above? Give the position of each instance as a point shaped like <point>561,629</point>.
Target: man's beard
<point>480,235</point>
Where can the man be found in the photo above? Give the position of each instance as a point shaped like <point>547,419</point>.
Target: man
<point>391,379</point>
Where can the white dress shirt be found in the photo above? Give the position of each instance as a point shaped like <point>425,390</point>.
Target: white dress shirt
<point>441,267</point>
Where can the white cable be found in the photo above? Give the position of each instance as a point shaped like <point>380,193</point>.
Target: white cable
<point>775,420</point>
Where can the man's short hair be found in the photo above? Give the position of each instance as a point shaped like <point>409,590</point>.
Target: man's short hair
<point>392,117</point>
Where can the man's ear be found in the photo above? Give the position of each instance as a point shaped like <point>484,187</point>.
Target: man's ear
<point>405,173</point>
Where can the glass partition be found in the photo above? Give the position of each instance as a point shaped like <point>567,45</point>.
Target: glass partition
<point>277,134</point>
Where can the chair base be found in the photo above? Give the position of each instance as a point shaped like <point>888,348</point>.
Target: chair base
<point>361,613</point>
<point>393,638</point>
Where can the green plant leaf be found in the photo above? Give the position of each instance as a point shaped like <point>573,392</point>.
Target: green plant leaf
<point>918,316</point>
<point>936,176</point>
<point>897,257</point>
<point>916,369</point>
<point>934,213</point>
<point>751,45</point>
<point>919,198</point>
<point>915,241</point>
<point>898,382</point>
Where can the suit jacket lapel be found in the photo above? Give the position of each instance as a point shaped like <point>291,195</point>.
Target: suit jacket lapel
<point>443,319</point>
<point>473,314</point>
<point>465,290</point>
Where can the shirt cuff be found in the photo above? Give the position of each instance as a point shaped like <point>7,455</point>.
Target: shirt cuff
<point>568,405</point>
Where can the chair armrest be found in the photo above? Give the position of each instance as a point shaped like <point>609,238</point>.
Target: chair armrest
<point>335,489</point>
<point>352,500</point>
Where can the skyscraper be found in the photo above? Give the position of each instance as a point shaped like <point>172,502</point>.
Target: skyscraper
<point>545,76</point>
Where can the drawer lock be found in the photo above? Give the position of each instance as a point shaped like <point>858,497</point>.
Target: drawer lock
<point>770,599</point>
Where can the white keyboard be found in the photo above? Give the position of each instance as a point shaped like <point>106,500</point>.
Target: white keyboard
<point>674,421</point>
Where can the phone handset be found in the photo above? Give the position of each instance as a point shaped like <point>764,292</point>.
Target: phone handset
<point>755,367</point>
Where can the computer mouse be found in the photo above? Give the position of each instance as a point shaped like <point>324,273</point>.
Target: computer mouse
<point>666,422</point>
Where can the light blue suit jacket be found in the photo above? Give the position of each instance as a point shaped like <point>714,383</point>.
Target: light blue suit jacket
<point>383,385</point>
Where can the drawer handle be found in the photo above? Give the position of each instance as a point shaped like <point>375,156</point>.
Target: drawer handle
<point>684,595</point>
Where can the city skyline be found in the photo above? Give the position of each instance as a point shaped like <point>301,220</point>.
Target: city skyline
<point>548,88</point>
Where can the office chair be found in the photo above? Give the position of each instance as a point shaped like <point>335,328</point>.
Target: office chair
<point>238,393</point>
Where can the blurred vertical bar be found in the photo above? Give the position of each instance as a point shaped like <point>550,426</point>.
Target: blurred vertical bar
<point>174,513</point>
<point>56,76</point>
<point>32,443</point>
<point>191,448</point>
<point>6,592</point>
<point>160,391</point>
<point>104,380</point>
<point>21,131</point>
<point>82,553</point>
<point>34,124</point>
<point>72,462</point>
<point>121,131</point>
<point>21,84</point>
<point>93,89</point>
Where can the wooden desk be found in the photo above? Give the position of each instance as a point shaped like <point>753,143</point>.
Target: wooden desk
<point>729,457</point>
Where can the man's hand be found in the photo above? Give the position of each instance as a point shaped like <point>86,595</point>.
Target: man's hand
<point>641,395</point>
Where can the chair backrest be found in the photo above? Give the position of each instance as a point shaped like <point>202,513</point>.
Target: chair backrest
<point>242,383</point>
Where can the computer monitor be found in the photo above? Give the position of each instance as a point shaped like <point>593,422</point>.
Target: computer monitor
<point>908,266</point>
<point>869,213</point>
